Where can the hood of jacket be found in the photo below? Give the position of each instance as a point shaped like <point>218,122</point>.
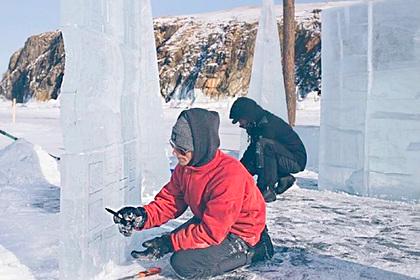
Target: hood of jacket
<point>247,109</point>
<point>204,126</point>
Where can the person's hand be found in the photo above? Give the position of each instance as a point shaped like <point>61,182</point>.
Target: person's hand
<point>129,218</point>
<point>156,248</point>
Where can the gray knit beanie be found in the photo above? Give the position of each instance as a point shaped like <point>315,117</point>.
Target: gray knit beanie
<point>181,134</point>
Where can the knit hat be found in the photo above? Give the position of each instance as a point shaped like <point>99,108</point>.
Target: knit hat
<point>181,134</point>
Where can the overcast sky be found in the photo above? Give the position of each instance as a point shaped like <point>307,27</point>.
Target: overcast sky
<point>20,19</point>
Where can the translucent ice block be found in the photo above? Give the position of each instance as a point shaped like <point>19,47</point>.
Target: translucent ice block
<point>109,103</point>
<point>370,118</point>
<point>266,85</point>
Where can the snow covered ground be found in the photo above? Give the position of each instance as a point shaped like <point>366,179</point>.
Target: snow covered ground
<point>317,235</point>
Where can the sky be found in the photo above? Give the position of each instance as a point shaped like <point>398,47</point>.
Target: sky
<point>20,19</point>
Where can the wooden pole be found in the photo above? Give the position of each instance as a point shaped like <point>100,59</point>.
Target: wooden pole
<point>289,58</point>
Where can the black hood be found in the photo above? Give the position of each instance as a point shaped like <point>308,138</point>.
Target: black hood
<point>247,109</point>
<point>204,126</point>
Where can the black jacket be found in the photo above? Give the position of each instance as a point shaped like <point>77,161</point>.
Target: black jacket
<point>267,125</point>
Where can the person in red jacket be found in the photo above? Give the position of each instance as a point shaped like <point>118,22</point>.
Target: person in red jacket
<point>228,228</point>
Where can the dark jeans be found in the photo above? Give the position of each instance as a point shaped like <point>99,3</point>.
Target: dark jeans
<point>276,162</point>
<point>215,260</point>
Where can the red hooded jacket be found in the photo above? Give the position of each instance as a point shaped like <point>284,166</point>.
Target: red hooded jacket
<point>221,193</point>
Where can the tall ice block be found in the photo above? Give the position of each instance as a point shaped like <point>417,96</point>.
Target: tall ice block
<point>370,113</point>
<point>110,115</point>
<point>266,86</point>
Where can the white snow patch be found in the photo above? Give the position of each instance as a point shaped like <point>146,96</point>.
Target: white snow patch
<point>29,205</point>
<point>23,163</point>
<point>252,13</point>
<point>11,268</point>
<point>49,167</point>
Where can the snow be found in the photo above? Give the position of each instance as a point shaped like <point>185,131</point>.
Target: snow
<point>32,127</point>
<point>26,156</point>
<point>29,204</point>
<point>252,13</point>
<point>317,234</point>
<point>11,266</point>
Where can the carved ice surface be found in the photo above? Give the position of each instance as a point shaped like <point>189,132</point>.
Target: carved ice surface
<point>111,117</point>
<point>370,116</point>
<point>154,166</point>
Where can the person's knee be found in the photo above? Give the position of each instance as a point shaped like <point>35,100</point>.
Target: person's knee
<point>178,266</point>
<point>183,266</point>
<point>268,147</point>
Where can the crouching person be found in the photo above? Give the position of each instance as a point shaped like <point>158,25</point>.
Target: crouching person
<point>275,150</point>
<point>228,228</point>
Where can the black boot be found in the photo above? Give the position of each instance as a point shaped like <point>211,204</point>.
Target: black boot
<point>268,194</point>
<point>264,249</point>
<point>284,183</point>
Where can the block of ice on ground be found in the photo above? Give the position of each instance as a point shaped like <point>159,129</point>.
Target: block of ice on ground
<point>370,120</point>
<point>110,114</point>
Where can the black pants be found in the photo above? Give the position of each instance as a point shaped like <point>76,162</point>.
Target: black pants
<point>272,163</point>
<point>232,253</point>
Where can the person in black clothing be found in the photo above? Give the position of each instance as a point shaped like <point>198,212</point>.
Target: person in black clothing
<point>275,150</point>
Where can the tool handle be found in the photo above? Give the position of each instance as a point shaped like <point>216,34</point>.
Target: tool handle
<point>121,220</point>
<point>8,135</point>
<point>112,212</point>
<point>149,272</point>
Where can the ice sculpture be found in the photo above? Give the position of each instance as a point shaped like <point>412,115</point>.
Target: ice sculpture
<point>154,166</point>
<point>109,102</point>
<point>370,118</point>
<point>266,85</point>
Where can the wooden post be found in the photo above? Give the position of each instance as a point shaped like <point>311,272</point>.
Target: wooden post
<point>14,111</point>
<point>289,58</point>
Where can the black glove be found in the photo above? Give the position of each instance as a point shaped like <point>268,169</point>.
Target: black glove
<point>129,218</point>
<point>156,248</point>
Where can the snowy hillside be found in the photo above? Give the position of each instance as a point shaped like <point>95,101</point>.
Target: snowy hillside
<point>252,13</point>
<point>317,235</point>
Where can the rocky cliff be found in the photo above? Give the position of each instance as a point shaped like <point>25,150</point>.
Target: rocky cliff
<point>36,70</point>
<point>214,53</point>
<point>209,53</point>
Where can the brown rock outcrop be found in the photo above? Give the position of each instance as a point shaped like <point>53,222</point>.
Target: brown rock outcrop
<point>36,70</point>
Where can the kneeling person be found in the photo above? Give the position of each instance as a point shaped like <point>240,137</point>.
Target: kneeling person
<point>275,150</point>
<point>228,228</point>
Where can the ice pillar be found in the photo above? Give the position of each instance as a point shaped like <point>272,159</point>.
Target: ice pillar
<point>266,85</point>
<point>370,118</point>
<point>103,109</point>
<point>154,166</point>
